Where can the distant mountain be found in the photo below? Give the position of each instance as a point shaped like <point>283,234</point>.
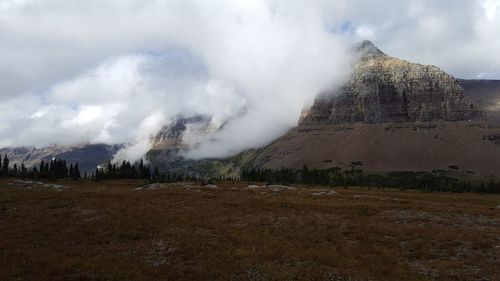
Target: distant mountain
<point>166,153</point>
<point>486,93</point>
<point>182,134</point>
<point>390,115</point>
<point>393,115</point>
<point>87,156</point>
<point>173,136</point>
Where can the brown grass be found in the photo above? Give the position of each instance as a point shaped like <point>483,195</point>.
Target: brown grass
<point>109,231</point>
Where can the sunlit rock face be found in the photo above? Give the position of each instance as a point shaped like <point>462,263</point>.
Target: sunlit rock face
<point>174,135</point>
<point>393,115</point>
<point>383,89</point>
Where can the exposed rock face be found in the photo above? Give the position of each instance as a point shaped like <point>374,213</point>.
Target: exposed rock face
<point>391,115</point>
<point>179,136</point>
<point>383,89</point>
<point>171,136</point>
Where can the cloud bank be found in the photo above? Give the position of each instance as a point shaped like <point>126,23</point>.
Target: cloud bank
<point>75,72</point>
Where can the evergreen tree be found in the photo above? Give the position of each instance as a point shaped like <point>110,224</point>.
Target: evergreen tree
<point>141,173</point>
<point>24,171</point>
<point>156,173</point>
<point>42,168</point>
<point>5,165</point>
<point>97,175</point>
<point>76,171</point>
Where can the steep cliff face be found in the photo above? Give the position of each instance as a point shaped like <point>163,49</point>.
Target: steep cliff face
<point>179,136</point>
<point>390,115</point>
<point>173,136</point>
<point>383,89</point>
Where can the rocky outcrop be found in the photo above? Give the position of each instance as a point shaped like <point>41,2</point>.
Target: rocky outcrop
<point>383,89</point>
<point>171,136</point>
<point>391,115</point>
<point>182,134</point>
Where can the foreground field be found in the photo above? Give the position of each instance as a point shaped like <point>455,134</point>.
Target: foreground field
<point>113,231</point>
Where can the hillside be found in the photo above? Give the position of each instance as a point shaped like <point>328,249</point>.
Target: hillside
<point>392,115</point>
<point>486,93</point>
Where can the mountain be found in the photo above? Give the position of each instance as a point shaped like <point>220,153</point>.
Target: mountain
<point>384,89</point>
<point>486,93</point>
<point>392,115</point>
<point>166,153</point>
<point>182,134</point>
<point>87,156</point>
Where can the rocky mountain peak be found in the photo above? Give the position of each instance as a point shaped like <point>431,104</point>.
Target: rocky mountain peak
<point>367,48</point>
<point>383,89</point>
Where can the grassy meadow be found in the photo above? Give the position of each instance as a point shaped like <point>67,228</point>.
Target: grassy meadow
<point>110,230</point>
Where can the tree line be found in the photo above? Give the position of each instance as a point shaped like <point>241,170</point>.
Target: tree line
<point>124,171</point>
<point>127,170</point>
<point>59,169</point>
<point>53,169</point>
<point>351,176</point>
<point>354,176</point>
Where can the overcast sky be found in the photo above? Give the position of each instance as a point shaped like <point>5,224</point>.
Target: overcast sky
<point>116,71</point>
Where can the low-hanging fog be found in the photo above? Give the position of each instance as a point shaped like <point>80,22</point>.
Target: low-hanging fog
<point>76,72</point>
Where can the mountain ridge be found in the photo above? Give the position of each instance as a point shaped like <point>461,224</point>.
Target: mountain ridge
<point>391,115</point>
<point>388,107</point>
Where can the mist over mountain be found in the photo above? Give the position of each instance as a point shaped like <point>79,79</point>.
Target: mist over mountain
<point>75,73</point>
<point>392,115</point>
<point>249,140</point>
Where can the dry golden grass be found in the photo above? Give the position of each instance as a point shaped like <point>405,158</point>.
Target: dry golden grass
<point>110,231</point>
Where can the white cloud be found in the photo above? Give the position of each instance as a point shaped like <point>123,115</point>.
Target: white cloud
<point>366,32</point>
<point>491,8</point>
<point>104,71</point>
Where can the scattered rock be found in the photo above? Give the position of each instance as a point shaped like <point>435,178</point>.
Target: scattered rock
<point>277,188</point>
<point>58,187</point>
<point>35,185</point>
<point>183,185</point>
<point>324,193</point>
<point>152,186</point>
<point>273,187</point>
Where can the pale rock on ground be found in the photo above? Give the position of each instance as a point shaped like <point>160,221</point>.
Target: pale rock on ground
<point>35,185</point>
